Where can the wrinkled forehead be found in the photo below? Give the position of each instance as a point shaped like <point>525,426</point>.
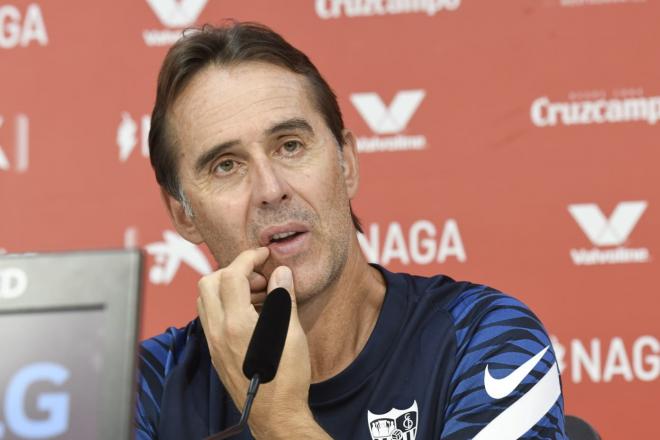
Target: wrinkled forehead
<point>239,102</point>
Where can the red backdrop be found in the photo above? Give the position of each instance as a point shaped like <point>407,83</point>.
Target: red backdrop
<point>511,143</point>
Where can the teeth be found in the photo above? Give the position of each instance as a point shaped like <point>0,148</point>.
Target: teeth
<point>282,235</point>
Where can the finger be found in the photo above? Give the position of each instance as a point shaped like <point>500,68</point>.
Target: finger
<point>257,282</point>
<point>247,260</point>
<point>282,277</point>
<point>258,298</point>
<point>208,305</point>
<point>234,284</point>
<point>201,313</point>
<point>203,319</point>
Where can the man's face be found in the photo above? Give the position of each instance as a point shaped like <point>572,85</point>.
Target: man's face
<point>261,168</point>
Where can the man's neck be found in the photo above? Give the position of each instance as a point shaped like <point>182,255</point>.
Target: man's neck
<point>338,322</point>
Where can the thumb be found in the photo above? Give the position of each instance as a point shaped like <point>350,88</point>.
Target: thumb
<point>283,277</point>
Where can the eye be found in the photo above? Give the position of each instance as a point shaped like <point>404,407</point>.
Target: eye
<point>291,147</point>
<point>225,167</point>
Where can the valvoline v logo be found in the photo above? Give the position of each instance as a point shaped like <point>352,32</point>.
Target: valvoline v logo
<point>608,234</point>
<point>177,13</point>
<point>388,122</point>
<point>383,119</point>
<point>603,231</point>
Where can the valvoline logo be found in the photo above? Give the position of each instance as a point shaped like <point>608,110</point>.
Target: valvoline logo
<point>389,122</point>
<point>608,234</point>
<point>175,15</point>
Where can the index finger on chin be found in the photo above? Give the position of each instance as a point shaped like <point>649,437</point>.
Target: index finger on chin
<point>235,281</point>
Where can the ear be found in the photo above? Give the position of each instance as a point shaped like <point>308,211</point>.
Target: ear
<point>182,222</point>
<point>350,164</point>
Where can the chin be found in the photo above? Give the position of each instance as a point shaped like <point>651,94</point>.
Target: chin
<point>311,284</point>
<point>304,296</point>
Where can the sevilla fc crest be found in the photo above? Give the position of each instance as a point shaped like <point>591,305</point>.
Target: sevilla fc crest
<point>396,424</point>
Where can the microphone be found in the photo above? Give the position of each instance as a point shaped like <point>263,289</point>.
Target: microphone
<point>264,351</point>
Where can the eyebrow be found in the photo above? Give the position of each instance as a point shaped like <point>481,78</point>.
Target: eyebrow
<point>208,156</point>
<point>287,125</point>
<point>290,124</point>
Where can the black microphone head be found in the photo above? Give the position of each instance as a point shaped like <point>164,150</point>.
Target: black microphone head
<point>267,343</point>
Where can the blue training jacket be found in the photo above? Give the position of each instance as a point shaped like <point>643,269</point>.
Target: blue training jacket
<point>446,360</point>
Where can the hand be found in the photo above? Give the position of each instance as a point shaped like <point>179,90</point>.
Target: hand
<point>228,318</point>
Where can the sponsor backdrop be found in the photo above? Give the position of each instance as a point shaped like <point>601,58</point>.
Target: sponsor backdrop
<point>511,143</point>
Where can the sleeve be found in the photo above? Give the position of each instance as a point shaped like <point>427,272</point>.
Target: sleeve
<point>506,382</point>
<point>154,357</point>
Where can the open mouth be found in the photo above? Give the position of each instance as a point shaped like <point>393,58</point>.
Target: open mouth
<point>284,237</point>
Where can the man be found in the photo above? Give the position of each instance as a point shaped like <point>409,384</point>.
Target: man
<point>248,144</point>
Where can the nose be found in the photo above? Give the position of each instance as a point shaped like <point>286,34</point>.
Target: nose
<point>269,188</point>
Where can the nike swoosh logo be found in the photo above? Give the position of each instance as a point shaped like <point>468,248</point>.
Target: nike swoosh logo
<point>498,388</point>
<point>524,413</point>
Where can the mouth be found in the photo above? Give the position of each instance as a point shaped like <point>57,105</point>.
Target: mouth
<point>285,239</point>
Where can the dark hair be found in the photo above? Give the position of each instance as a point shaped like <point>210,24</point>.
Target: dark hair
<point>228,45</point>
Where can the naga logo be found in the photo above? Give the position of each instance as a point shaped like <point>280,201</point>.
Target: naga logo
<point>21,145</point>
<point>175,14</point>
<point>545,113</point>
<point>129,135</point>
<point>168,256</point>
<point>53,408</point>
<point>17,29</point>
<point>389,120</point>
<point>327,9</point>
<point>600,360</point>
<point>421,245</point>
<point>608,232</point>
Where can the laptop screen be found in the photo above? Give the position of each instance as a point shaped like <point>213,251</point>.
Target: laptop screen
<point>69,340</point>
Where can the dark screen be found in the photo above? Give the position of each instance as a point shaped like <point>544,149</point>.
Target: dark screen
<point>50,373</point>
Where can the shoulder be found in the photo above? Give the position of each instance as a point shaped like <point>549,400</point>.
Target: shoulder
<point>157,358</point>
<point>471,307</point>
<point>464,301</point>
<point>505,368</point>
<point>489,315</point>
<point>481,316</point>
<point>503,381</point>
<point>161,352</point>
<point>432,292</point>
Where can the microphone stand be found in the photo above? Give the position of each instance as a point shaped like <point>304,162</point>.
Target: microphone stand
<point>237,428</point>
